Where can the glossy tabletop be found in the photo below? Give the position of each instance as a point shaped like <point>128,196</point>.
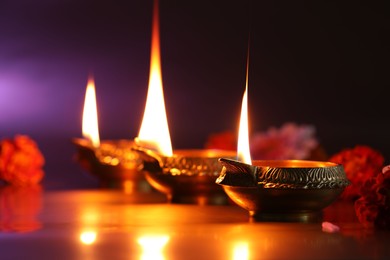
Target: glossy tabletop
<point>113,224</point>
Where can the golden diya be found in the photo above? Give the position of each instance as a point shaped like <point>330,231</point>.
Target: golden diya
<point>113,162</point>
<point>283,190</point>
<point>184,176</point>
<point>279,190</point>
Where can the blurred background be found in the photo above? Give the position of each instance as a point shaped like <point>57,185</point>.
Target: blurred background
<point>319,63</point>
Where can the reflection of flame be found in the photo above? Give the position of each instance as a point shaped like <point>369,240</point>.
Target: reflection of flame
<point>241,251</point>
<point>243,149</point>
<point>152,246</point>
<point>88,237</point>
<point>154,128</point>
<point>90,216</point>
<point>90,120</point>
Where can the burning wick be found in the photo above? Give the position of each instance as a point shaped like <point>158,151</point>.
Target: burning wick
<point>146,144</point>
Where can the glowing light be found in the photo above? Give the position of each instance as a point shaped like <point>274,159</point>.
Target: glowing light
<point>90,216</point>
<point>90,126</point>
<point>152,246</point>
<point>154,127</point>
<point>241,251</point>
<point>88,237</point>
<point>243,148</point>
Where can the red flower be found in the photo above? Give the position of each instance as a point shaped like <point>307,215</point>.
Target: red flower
<point>373,207</point>
<point>224,141</point>
<point>21,161</point>
<point>360,164</point>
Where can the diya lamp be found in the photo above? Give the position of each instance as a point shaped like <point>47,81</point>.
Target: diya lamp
<point>184,176</point>
<point>283,190</point>
<point>113,162</point>
<point>279,190</point>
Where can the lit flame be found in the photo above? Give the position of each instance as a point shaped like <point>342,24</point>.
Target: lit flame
<point>243,148</point>
<point>154,129</point>
<point>152,246</point>
<point>90,126</point>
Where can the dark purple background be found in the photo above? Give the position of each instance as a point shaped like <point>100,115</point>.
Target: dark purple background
<point>316,63</point>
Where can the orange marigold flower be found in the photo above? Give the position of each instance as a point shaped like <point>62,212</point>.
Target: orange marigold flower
<point>21,161</point>
<point>360,164</point>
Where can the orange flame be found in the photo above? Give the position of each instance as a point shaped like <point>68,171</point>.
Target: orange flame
<point>90,126</point>
<point>154,129</point>
<point>243,148</point>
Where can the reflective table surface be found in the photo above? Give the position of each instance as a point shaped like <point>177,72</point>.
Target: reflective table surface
<point>112,224</point>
